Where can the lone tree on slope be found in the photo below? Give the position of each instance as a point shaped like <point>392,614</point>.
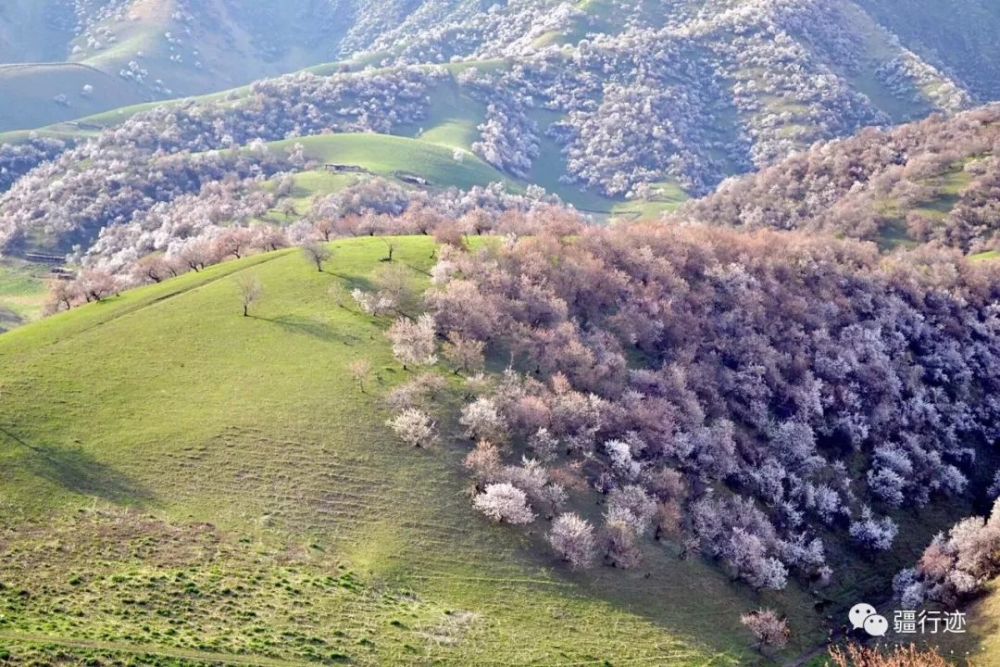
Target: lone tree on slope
<point>361,370</point>
<point>317,253</point>
<point>767,627</point>
<point>251,292</point>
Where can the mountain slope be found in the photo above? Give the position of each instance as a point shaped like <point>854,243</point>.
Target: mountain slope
<point>954,36</point>
<point>49,93</point>
<point>217,468</point>
<point>936,180</point>
<point>745,82</point>
<point>623,111</point>
<point>154,49</point>
<point>184,483</point>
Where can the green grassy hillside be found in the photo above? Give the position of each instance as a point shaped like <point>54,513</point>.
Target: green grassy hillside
<point>181,482</point>
<point>450,125</point>
<point>35,89</point>
<point>28,35</point>
<point>173,48</point>
<point>22,292</point>
<point>388,155</point>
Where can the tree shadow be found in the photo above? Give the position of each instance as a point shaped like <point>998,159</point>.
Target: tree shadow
<point>9,319</point>
<point>352,282</point>
<point>77,471</point>
<point>311,327</point>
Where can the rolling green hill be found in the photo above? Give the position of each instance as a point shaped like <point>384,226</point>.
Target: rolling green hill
<point>738,103</point>
<point>633,157</point>
<point>29,32</point>
<point>386,155</point>
<point>450,125</point>
<point>953,35</point>
<point>22,292</point>
<point>186,484</point>
<point>143,50</point>
<point>36,87</point>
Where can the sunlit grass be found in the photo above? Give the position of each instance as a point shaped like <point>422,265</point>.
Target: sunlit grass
<point>167,401</point>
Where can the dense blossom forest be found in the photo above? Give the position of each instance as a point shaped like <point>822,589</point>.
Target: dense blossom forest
<point>162,154</point>
<point>774,376</point>
<point>175,192</point>
<point>865,186</point>
<point>652,102</point>
<point>686,96</point>
<point>716,387</point>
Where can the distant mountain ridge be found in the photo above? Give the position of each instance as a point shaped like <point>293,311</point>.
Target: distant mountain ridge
<point>937,180</point>
<point>619,108</point>
<point>157,49</point>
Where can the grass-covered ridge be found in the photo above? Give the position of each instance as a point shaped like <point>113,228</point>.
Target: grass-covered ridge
<point>22,292</point>
<point>35,87</point>
<point>389,156</point>
<point>935,180</point>
<point>608,133</point>
<point>180,480</point>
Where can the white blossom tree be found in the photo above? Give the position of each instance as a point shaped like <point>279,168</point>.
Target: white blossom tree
<point>414,427</point>
<point>873,533</point>
<point>769,629</point>
<point>504,503</point>
<point>572,537</point>
<point>413,342</point>
<point>483,421</point>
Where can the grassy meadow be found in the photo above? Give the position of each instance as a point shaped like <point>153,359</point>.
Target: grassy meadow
<point>386,155</point>
<point>183,485</point>
<point>22,292</point>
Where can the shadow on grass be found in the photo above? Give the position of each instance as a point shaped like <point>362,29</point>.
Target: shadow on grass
<point>352,282</point>
<point>9,319</point>
<point>311,327</point>
<point>79,472</point>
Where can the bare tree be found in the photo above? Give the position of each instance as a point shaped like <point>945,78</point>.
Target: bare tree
<point>390,246</point>
<point>360,370</point>
<point>251,291</point>
<point>317,253</point>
